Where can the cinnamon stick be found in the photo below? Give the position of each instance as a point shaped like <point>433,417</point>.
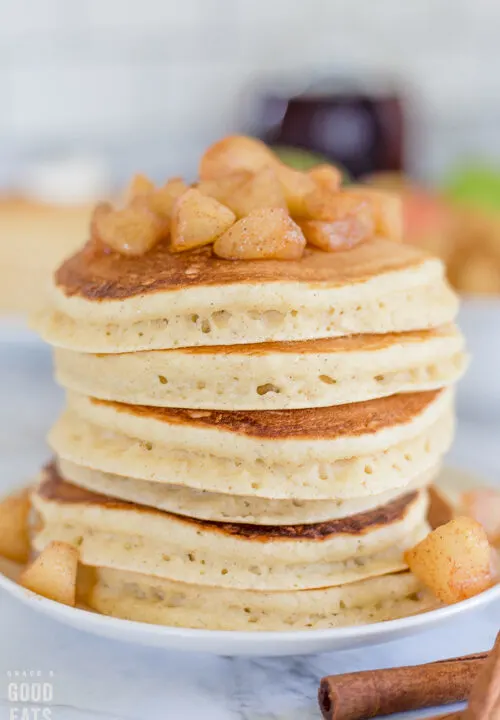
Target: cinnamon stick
<point>381,692</point>
<point>484,699</point>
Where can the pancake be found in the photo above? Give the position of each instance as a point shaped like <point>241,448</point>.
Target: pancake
<point>274,376</point>
<point>110,303</point>
<point>164,602</point>
<point>344,452</point>
<point>120,535</point>
<point>223,507</point>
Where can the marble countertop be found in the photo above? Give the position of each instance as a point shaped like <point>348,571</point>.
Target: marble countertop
<point>96,678</point>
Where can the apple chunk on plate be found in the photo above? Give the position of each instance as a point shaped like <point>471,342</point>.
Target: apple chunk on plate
<point>455,561</point>
<point>14,533</point>
<point>53,573</point>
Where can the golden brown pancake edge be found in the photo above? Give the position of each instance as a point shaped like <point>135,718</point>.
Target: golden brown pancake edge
<point>95,275</point>
<point>345,343</point>
<point>323,423</point>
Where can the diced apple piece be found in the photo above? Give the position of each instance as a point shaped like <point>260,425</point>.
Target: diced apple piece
<point>268,234</point>
<point>139,185</point>
<point>296,186</point>
<point>234,153</point>
<point>95,246</point>
<point>326,177</point>
<point>387,211</point>
<point>198,220</point>
<point>341,234</point>
<point>163,199</point>
<point>223,187</point>
<point>483,505</point>
<point>260,190</point>
<point>100,211</point>
<point>131,231</point>
<point>53,573</point>
<point>455,561</point>
<point>14,531</point>
<point>328,206</point>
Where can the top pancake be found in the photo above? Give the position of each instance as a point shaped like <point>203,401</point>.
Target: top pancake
<point>108,303</point>
<point>97,276</point>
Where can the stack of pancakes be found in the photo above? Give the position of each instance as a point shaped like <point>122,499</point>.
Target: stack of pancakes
<point>247,444</point>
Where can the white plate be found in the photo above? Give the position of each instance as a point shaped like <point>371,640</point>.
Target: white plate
<point>225,642</point>
<point>256,643</point>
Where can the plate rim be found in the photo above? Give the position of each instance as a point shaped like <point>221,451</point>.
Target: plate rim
<point>341,634</point>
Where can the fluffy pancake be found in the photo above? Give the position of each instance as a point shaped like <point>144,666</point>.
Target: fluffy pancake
<point>307,374</point>
<point>227,508</point>
<point>108,303</point>
<point>165,602</point>
<point>344,452</point>
<point>112,533</point>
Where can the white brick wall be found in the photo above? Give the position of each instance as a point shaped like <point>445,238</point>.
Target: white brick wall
<point>149,82</point>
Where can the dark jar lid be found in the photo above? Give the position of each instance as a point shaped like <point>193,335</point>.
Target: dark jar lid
<point>352,126</point>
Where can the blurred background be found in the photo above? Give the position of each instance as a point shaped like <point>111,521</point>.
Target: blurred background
<point>400,94</point>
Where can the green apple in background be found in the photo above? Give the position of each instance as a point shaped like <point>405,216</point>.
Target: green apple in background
<point>474,185</point>
<point>300,159</point>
